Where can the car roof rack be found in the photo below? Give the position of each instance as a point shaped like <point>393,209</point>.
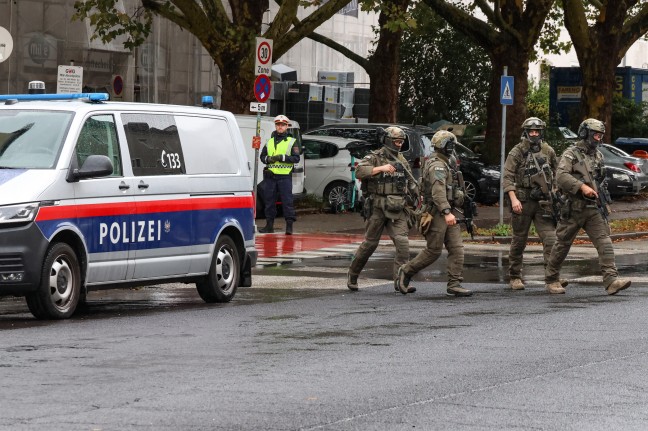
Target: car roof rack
<point>85,97</point>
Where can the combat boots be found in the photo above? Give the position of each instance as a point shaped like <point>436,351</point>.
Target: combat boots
<point>458,291</point>
<point>289,227</point>
<point>517,284</point>
<point>401,284</point>
<point>554,287</point>
<point>617,286</point>
<point>268,228</point>
<point>352,281</point>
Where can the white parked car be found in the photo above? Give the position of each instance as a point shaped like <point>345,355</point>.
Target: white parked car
<point>328,169</point>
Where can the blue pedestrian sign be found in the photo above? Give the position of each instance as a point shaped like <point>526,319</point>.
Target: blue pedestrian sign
<point>506,90</point>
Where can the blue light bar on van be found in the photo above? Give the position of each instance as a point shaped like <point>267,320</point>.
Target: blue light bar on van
<point>93,97</point>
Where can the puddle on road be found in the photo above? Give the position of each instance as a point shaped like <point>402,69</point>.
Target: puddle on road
<point>478,269</point>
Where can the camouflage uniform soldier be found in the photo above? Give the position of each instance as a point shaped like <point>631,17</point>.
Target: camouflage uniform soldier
<point>579,171</point>
<point>441,193</point>
<point>529,168</point>
<point>386,184</point>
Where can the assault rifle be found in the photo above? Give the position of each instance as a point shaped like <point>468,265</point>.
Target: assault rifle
<point>541,178</point>
<point>413,198</point>
<point>469,207</point>
<point>602,198</point>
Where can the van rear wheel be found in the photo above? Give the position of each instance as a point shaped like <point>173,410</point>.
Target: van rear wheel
<point>224,274</point>
<point>59,291</point>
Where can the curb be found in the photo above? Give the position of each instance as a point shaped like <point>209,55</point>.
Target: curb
<point>535,239</point>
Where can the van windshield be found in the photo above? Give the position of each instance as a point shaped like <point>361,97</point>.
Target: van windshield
<point>32,139</point>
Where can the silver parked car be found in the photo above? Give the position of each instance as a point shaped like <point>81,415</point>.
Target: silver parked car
<point>328,169</point>
<point>627,175</point>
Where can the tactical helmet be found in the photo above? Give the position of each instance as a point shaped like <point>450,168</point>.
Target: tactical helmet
<point>533,123</point>
<point>393,133</point>
<point>444,141</point>
<point>587,129</point>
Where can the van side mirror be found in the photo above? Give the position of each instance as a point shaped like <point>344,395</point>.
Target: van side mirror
<point>94,166</point>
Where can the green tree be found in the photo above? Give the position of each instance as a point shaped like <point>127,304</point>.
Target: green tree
<point>444,74</point>
<point>508,31</point>
<point>227,33</point>
<point>537,100</point>
<point>630,119</point>
<point>602,31</point>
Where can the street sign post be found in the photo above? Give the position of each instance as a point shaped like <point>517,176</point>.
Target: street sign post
<point>262,87</point>
<point>506,98</point>
<point>506,90</point>
<point>258,107</point>
<point>263,62</point>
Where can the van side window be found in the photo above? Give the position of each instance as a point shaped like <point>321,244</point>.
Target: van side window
<point>154,144</point>
<point>216,152</point>
<point>98,136</point>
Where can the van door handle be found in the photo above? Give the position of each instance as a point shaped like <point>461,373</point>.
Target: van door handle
<point>142,185</point>
<point>123,186</point>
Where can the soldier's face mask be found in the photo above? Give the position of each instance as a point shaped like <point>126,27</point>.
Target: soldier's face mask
<point>595,139</point>
<point>535,137</point>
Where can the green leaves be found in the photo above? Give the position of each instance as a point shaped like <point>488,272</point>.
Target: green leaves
<point>110,22</point>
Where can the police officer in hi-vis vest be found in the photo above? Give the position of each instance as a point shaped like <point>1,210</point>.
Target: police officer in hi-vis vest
<point>280,154</point>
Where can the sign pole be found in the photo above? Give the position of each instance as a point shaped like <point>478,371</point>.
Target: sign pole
<point>506,95</point>
<point>262,88</point>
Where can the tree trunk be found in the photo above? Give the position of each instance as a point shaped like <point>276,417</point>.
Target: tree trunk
<point>238,87</point>
<point>518,68</point>
<point>598,87</point>
<point>384,71</point>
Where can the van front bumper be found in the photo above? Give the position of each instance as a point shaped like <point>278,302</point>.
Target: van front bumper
<point>22,250</point>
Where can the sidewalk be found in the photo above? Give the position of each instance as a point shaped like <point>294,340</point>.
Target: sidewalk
<point>314,221</point>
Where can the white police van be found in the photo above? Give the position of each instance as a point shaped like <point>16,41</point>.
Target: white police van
<point>98,194</point>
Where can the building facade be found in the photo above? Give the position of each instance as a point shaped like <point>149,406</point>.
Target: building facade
<point>171,67</point>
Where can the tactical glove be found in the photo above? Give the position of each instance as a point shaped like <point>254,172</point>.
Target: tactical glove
<point>425,223</point>
<point>272,159</point>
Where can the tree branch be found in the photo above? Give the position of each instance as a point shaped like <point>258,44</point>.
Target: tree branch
<point>360,60</point>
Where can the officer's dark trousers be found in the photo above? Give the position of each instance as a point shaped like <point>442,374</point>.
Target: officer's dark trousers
<point>278,186</point>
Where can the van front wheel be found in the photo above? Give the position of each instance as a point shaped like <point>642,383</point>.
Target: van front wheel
<point>223,279</point>
<point>60,287</point>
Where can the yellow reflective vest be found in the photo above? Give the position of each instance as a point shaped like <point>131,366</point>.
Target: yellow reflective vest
<point>284,148</point>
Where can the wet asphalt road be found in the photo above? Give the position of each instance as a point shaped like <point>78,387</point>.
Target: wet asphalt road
<point>299,351</point>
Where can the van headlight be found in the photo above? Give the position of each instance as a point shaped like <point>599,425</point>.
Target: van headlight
<point>20,213</point>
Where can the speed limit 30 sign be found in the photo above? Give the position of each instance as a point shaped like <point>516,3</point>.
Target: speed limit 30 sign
<point>263,62</point>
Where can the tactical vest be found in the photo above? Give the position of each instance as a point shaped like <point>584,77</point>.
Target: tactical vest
<point>283,147</point>
<point>594,164</point>
<point>426,182</point>
<point>386,183</point>
<point>528,168</point>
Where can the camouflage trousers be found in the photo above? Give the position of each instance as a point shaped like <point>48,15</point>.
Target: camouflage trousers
<point>439,235</point>
<point>396,229</point>
<point>598,232</point>
<point>532,212</point>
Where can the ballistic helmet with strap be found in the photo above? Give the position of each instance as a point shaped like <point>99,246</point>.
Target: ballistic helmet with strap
<point>444,142</point>
<point>392,134</point>
<point>533,123</point>
<point>588,128</point>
